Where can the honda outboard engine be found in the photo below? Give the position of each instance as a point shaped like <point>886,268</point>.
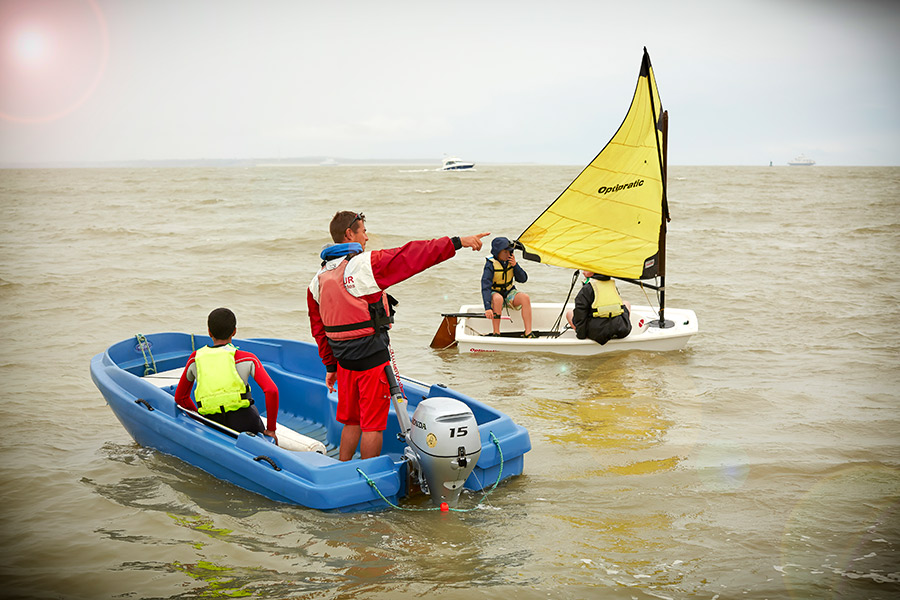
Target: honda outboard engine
<point>447,445</point>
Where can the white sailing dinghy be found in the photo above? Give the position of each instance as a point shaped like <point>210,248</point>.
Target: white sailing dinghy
<point>610,220</point>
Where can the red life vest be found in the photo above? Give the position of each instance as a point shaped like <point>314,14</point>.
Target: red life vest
<point>345,316</point>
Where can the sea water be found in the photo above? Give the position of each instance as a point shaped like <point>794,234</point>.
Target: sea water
<point>760,462</point>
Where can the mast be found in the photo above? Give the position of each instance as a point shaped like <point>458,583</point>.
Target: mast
<point>662,226</point>
<point>664,208</point>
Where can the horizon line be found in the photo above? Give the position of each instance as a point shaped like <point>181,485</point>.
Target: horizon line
<point>316,161</point>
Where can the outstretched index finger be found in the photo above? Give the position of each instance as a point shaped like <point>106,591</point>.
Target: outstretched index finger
<point>473,241</point>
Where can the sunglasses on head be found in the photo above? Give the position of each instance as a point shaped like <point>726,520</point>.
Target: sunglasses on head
<point>359,217</point>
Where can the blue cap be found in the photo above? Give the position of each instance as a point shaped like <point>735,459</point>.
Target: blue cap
<point>500,243</point>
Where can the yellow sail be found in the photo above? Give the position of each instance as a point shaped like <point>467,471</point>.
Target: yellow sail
<point>611,219</point>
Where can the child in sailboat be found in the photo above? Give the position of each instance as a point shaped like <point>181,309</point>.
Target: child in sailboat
<point>600,313</point>
<point>498,286</point>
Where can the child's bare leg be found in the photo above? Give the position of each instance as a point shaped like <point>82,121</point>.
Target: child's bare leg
<point>525,302</point>
<point>497,307</point>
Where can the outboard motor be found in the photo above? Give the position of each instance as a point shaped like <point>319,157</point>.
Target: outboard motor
<point>443,442</point>
<point>447,444</point>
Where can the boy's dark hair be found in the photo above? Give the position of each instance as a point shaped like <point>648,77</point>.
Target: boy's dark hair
<point>342,220</point>
<point>221,323</point>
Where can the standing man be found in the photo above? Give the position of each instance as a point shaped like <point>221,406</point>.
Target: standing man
<point>350,315</point>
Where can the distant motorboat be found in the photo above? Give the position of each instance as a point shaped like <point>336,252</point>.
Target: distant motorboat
<point>802,161</point>
<point>453,163</point>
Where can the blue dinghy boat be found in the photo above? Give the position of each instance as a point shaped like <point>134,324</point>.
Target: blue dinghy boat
<point>138,377</point>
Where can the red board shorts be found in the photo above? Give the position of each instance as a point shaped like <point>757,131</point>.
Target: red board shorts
<point>364,398</point>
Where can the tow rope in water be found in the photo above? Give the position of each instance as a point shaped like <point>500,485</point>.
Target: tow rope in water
<point>480,502</point>
<point>143,344</point>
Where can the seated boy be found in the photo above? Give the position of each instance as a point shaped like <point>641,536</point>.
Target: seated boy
<point>222,373</point>
<point>498,288</point>
<point>600,313</point>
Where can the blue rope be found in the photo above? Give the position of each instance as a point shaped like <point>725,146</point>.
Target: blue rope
<point>374,486</point>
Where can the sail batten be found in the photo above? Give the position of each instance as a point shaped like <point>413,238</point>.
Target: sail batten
<point>610,219</point>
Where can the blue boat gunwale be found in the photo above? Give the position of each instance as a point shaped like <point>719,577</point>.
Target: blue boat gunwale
<point>118,373</point>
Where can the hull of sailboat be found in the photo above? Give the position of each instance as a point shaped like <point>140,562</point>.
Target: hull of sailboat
<point>472,338</point>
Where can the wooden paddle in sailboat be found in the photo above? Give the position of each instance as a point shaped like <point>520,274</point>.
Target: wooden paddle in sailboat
<point>445,336</point>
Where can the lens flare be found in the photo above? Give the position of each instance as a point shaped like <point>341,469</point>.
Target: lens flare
<point>53,54</point>
<point>31,46</point>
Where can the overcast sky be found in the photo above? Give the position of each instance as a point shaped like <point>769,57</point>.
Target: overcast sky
<point>745,82</point>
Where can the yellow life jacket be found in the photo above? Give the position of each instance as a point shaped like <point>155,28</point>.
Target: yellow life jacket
<point>504,279</point>
<point>219,387</point>
<point>607,302</point>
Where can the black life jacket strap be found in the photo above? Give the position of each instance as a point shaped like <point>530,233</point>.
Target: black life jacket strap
<point>503,290</point>
<point>349,327</point>
<point>245,395</point>
<point>380,320</point>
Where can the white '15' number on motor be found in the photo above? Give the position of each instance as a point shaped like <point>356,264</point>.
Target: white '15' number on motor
<point>458,431</point>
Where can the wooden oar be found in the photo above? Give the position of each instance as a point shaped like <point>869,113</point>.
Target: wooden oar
<point>445,336</point>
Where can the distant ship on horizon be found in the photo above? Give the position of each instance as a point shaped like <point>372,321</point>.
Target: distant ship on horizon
<point>802,161</point>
